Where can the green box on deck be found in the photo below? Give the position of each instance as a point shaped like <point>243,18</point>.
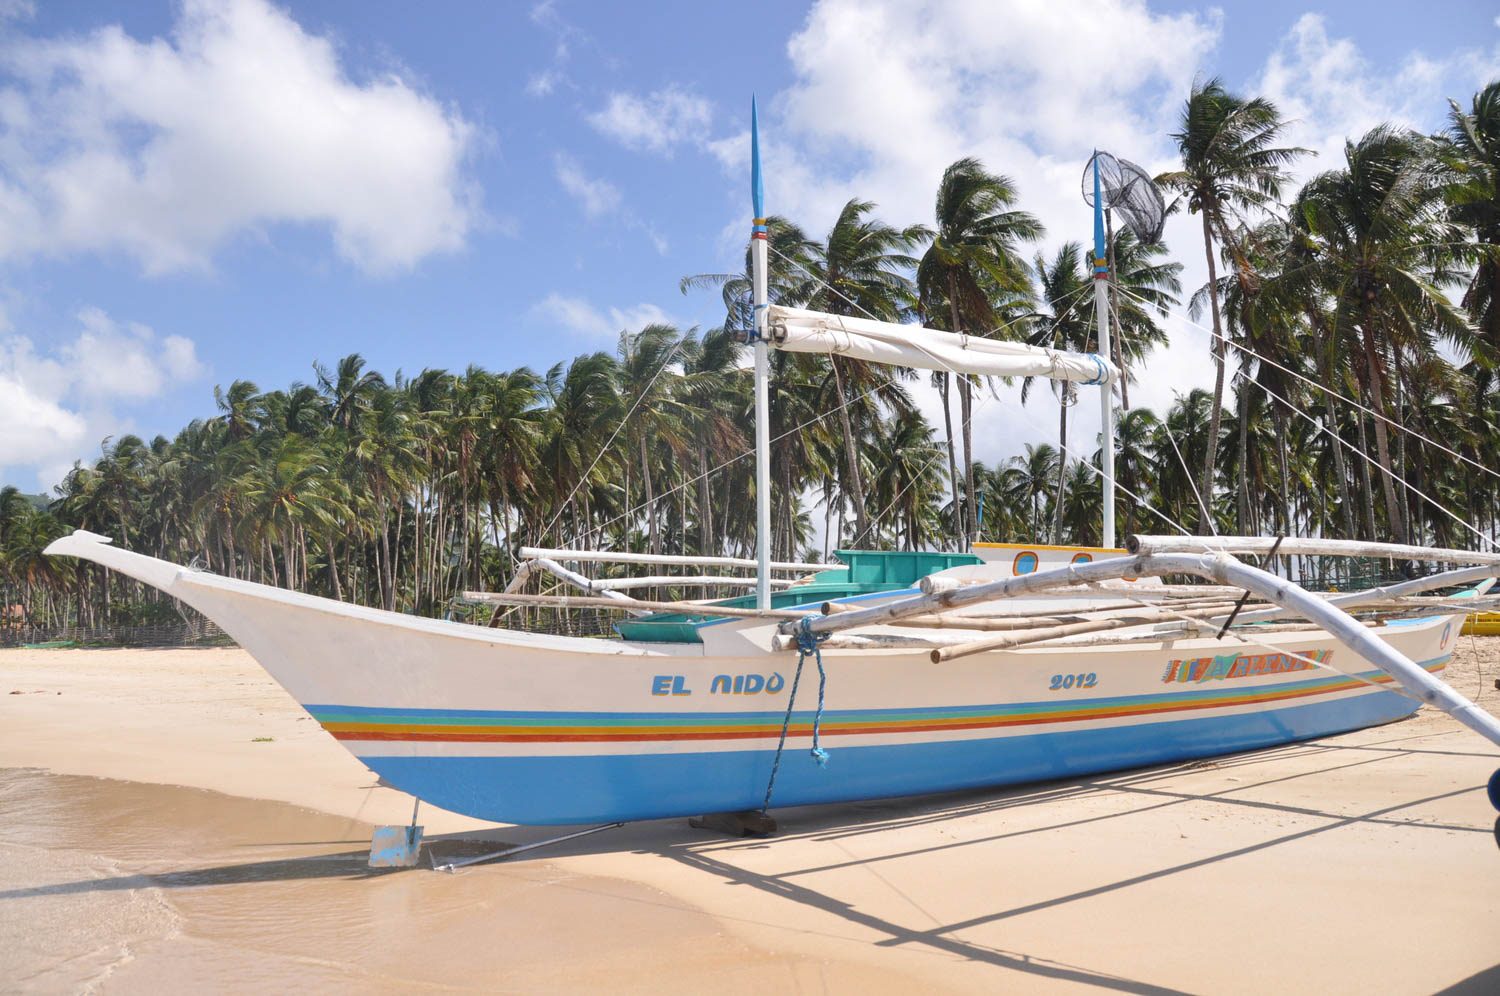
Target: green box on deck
<point>863,572</point>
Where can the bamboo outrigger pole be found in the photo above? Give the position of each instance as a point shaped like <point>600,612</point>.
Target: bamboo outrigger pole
<point>612,557</point>
<point>1308,546</point>
<point>759,300</point>
<point>1222,568</point>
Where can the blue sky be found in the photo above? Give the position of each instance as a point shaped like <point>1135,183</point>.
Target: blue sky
<point>196,192</point>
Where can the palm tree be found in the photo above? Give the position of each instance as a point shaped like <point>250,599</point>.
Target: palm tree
<point>908,478</point>
<point>349,389</point>
<point>973,262</point>
<point>1379,247</point>
<point>512,438</point>
<point>647,397</point>
<point>241,408</point>
<point>1147,287</point>
<point>1470,152</point>
<point>1230,165</point>
<point>584,408</point>
<point>711,396</point>
<point>1135,465</point>
<point>860,270</point>
<point>792,258</point>
<point>1067,325</point>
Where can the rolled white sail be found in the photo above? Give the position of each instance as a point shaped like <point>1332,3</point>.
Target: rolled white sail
<point>799,331</point>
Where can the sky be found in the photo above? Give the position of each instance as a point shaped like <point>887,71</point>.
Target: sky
<point>203,191</point>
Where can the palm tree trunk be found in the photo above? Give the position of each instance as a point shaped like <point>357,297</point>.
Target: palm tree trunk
<point>1282,470</point>
<point>387,595</point>
<point>1382,441</point>
<point>1366,483</point>
<point>1062,465</point>
<point>851,452</point>
<point>966,413</point>
<point>705,505</point>
<point>333,570</point>
<point>1206,479</point>
<point>1401,393</point>
<point>943,386</point>
<point>1242,501</point>
<point>650,496</point>
<point>1325,369</point>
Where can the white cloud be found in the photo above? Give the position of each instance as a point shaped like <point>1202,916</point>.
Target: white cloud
<point>1329,90</point>
<point>597,197</point>
<point>57,403</point>
<point>943,80</point>
<point>542,84</point>
<point>655,122</point>
<point>579,316</point>
<point>947,80</point>
<point>166,148</point>
<point>565,37</point>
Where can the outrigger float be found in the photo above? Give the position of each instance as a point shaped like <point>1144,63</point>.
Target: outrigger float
<point>892,674</point>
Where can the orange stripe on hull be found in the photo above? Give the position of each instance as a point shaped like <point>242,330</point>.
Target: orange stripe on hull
<point>349,731</point>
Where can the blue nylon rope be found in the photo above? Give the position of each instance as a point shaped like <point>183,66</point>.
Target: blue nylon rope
<point>808,642</point>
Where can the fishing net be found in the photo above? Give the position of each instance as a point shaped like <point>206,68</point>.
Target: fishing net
<point>1128,192</point>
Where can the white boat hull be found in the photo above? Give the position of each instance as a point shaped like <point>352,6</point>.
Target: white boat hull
<point>524,728</point>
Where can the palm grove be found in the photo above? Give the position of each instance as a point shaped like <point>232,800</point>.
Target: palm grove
<point>1377,278</point>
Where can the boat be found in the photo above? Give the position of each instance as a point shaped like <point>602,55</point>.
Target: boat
<point>1482,624</point>
<point>889,674</point>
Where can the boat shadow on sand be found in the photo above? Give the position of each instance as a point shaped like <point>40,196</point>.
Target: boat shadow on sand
<point>870,825</point>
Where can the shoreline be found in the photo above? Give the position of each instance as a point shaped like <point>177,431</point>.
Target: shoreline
<point>1079,883</point>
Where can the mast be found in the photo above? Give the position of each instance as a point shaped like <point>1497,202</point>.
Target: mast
<point>1106,399</point>
<point>758,248</point>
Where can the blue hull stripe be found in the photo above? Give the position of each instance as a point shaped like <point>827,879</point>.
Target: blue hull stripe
<point>565,789</point>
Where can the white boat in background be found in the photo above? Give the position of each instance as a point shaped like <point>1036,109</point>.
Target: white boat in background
<point>893,674</point>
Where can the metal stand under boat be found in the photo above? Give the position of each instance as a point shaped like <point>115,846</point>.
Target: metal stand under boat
<point>397,847</point>
<point>749,823</point>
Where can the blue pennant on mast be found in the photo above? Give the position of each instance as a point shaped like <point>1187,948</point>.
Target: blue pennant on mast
<point>758,204</point>
<point>757,188</point>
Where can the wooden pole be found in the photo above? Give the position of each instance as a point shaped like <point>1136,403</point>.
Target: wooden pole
<point>1354,599</point>
<point>1026,637</point>
<point>607,557</point>
<point>626,604</point>
<point>1152,545</point>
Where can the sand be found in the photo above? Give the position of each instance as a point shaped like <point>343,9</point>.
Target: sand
<point>172,818</point>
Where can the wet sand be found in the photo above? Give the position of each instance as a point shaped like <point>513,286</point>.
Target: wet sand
<point>152,837</point>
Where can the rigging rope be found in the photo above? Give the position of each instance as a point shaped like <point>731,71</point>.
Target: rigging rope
<point>1373,462</point>
<point>736,459</point>
<point>1321,387</point>
<point>1203,508</point>
<point>807,642</point>
<point>610,441</point>
<point>1142,502</point>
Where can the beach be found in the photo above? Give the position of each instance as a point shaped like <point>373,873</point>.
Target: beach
<point>173,819</point>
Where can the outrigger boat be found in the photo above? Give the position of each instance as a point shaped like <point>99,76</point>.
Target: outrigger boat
<point>892,674</point>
